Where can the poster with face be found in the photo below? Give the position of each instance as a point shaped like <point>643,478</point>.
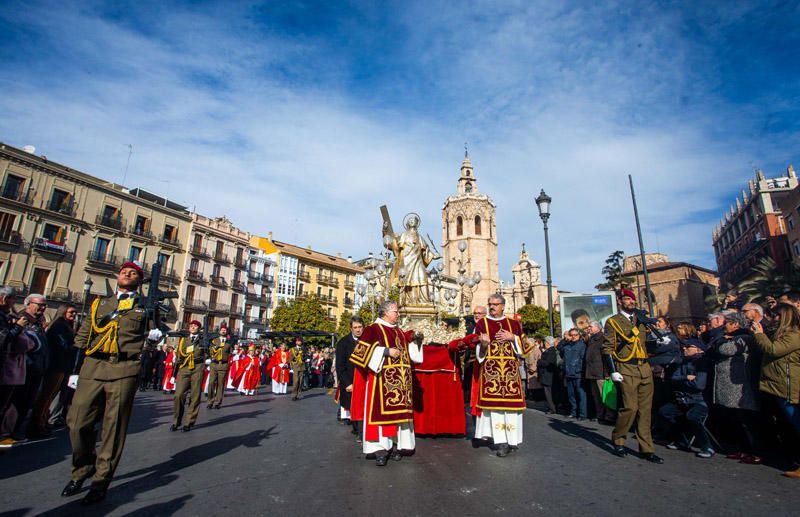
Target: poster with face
<point>579,309</point>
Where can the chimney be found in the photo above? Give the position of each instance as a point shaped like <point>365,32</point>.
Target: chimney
<point>269,236</point>
<point>350,259</point>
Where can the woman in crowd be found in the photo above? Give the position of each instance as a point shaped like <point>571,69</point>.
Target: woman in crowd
<point>780,367</point>
<point>168,384</point>
<point>736,383</point>
<point>548,368</point>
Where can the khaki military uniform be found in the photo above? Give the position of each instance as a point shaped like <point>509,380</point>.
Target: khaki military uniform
<point>623,339</point>
<point>220,351</point>
<point>113,337</point>
<point>298,369</point>
<point>190,359</point>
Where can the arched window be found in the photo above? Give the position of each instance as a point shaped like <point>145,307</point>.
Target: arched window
<point>459,226</point>
<point>477,225</point>
<point>468,187</point>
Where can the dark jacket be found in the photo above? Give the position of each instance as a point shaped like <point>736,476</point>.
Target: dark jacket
<point>547,366</point>
<point>688,392</point>
<point>595,369</point>
<point>573,353</point>
<point>663,354</point>
<point>344,368</point>
<point>60,341</point>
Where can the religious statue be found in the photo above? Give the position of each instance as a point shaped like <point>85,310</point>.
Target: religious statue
<point>413,256</point>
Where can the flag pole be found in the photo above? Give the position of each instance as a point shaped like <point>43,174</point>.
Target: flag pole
<point>641,249</point>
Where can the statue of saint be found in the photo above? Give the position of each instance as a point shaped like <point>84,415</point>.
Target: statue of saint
<point>413,256</point>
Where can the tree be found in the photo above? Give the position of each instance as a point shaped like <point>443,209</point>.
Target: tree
<point>612,272</point>
<point>344,324</point>
<point>536,321</point>
<point>302,314</point>
<point>768,280</point>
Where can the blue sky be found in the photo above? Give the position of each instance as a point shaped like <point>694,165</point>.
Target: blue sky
<point>302,118</point>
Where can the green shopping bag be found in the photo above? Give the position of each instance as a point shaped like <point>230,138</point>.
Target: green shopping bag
<point>610,394</point>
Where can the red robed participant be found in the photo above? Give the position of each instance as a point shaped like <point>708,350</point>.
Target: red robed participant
<point>438,393</point>
<point>233,362</point>
<point>498,393</point>
<point>249,373</point>
<point>278,370</point>
<point>383,385</point>
<point>169,371</point>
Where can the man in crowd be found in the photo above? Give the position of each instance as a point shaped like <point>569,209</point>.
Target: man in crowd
<point>384,387</point>
<point>344,368</point>
<point>190,362</point>
<point>37,360</point>
<point>626,357</point>
<point>499,396</point>
<point>298,368</point>
<point>220,351</point>
<point>112,336</point>
<point>755,313</point>
<point>716,327</point>
<point>595,372</point>
<point>573,351</point>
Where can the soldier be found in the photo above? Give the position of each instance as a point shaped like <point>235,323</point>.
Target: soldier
<point>625,354</point>
<point>190,362</point>
<point>298,368</point>
<point>219,351</point>
<point>113,337</point>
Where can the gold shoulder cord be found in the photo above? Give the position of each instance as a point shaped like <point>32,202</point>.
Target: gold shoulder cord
<point>635,341</point>
<point>109,343</point>
<point>189,358</point>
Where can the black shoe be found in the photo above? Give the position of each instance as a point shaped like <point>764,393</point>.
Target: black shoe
<point>173,428</point>
<point>620,451</point>
<point>186,428</point>
<point>381,460</point>
<point>209,406</point>
<point>652,458</point>
<point>95,495</point>
<point>72,488</point>
<point>502,450</point>
<point>395,455</point>
<point>216,406</point>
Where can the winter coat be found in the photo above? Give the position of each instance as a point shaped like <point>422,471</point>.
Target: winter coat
<point>573,353</point>
<point>595,369</point>
<point>735,371</point>
<point>547,366</point>
<point>780,365</point>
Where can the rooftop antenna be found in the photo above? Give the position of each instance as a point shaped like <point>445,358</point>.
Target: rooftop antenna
<point>127,163</point>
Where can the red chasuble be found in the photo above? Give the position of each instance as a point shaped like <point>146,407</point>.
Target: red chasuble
<point>277,373</point>
<point>496,383</point>
<point>388,394</point>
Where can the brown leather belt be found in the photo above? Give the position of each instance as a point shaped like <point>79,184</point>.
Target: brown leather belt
<point>116,358</point>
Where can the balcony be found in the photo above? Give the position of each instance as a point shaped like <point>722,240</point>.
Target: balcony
<point>260,277</point>
<point>170,241</point>
<point>114,222</point>
<point>63,295</point>
<point>238,286</point>
<point>199,251</point>
<point>11,240</point>
<point>222,308</point>
<point>222,258</point>
<point>348,303</point>
<point>258,298</point>
<point>15,193</point>
<point>141,233</point>
<point>169,277</point>
<point>324,298</point>
<point>47,246</point>
<point>328,280</point>
<point>236,309</point>
<point>195,276</point>
<point>256,322</point>
<point>240,261</point>
<point>349,285</point>
<point>304,276</point>
<point>219,281</point>
<point>65,208</point>
<point>194,303</point>
<point>102,259</point>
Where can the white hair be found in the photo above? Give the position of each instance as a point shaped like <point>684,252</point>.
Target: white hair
<point>31,297</point>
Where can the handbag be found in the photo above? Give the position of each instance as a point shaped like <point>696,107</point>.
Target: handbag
<point>609,394</point>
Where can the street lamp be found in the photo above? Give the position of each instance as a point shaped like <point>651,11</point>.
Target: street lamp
<point>87,286</point>
<point>465,283</point>
<point>543,202</point>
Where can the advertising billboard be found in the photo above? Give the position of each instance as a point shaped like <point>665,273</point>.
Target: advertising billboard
<point>578,309</point>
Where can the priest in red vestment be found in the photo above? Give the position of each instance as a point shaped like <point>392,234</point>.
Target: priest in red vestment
<point>249,373</point>
<point>168,384</point>
<point>499,396</point>
<point>278,370</point>
<point>383,385</point>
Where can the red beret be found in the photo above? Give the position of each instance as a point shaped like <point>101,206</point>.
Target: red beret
<point>223,326</point>
<point>626,292</point>
<point>133,265</point>
<point>195,322</point>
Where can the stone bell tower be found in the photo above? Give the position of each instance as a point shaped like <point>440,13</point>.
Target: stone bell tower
<point>469,216</point>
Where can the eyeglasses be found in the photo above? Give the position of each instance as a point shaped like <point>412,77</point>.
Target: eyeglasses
<point>494,304</point>
<point>40,304</point>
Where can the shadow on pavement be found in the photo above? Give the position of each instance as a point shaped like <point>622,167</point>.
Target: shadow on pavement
<point>165,508</point>
<point>578,431</point>
<point>162,474</point>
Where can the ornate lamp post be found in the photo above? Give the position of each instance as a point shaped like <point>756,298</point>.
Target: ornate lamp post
<point>467,284</point>
<point>543,203</point>
<point>87,286</point>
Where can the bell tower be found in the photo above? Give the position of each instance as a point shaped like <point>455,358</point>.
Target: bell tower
<point>469,216</point>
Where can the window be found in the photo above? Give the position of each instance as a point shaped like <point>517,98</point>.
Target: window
<point>248,309</point>
<point>135,253</point>
<point>101,248</point>
<point>39,280</point>
<point>237,275</point>
<point>239,253</point>
<point>468,188</point>
<point>790,222</point>
<point>211,321</point>
<point>170,233</point>
<point>796,248</point>
<point>198,241</point>
<point>141,225</point>
<point>477,225</point>
<point>190,292</point>
<point>213,296</point>
<point>220,247</point>
<point>459,226</point>
<point>12,189</point>
<point>110,214</point>
<point>163,259</point>
<point>330,293</point>
<point>234,301</point>
<point>215,271</point>
<point>53,233</point>
<point>319,292</point>
<point>194,265</point>
<point>187,317</point>
<point>60,201</point>
<point>7,227</point>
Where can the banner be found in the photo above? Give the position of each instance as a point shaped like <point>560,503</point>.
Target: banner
<point>579,309</point>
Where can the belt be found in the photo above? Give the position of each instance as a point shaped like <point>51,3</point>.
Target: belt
<point>116,358</point>
<point>637,362</point>
<point>219,362</point>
